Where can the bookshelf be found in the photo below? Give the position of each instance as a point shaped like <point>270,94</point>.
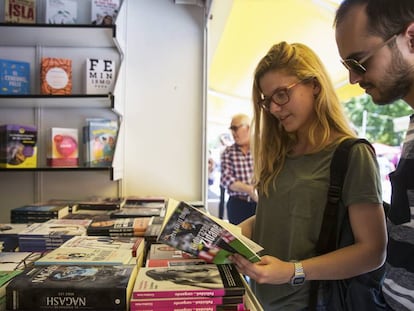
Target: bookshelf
<point>29,43</point>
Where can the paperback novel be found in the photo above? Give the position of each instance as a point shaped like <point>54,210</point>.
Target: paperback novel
<point>20,11</point>
<point>72,287</point>
<point>162,255</point>
<point>104,12</point>
<point>63,148</point>
<point>100,76</point>
<point>189,229</point>
<point>14,77</point>
<point>61,12</point>
<point>56,76</point>
<point>207,280</point>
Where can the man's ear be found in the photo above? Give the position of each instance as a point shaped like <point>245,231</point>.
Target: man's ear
<point>410,34</point>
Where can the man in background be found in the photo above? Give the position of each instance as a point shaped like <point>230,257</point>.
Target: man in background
<point>237,172</point>
<point>375,40</point>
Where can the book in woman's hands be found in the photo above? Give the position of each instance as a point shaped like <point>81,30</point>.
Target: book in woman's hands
<point>193,231</point>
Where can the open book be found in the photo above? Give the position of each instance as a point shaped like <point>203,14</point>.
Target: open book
<point>193,231</point>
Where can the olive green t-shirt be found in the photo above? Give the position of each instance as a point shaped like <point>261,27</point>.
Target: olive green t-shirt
<point>288,222</point>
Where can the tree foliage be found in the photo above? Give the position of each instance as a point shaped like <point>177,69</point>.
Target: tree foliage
<point>379,120</point>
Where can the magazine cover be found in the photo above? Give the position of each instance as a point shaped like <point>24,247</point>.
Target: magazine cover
<point>207,280</point>
<point>72,287</point>
<point>193,231</point>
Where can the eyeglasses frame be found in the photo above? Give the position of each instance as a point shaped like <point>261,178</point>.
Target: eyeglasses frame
<point>270,100</point>
<point>359,63</point>
<point>235,128</point>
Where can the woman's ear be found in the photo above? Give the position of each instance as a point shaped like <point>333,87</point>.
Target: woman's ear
<point>410,34</point>
<point>316,87</point>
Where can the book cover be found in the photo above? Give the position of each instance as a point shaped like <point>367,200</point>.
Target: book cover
<point>105,203</point>
<point>85,256</point>
<point>9,236</point>
<point>162,255</point>
<point>72,287</point>
<point>10,261</point>
<point>186,303</point>
<point>100,76</point>
<point>104,12</point>
<point>189,229</point>
<point>14,77</point>
<point>20,11</point>
<point>40,210</point>
<point>18,146</point>
<point>134,244</point>
<point>128,212</point>
<point>56,76</point>
<point>100,141</point>
<point>119,227</point>
<point>63,148</point>
<point>208,280</point>
<point>61,12</point>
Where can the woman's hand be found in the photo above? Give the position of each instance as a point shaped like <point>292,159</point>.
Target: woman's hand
<point>269,270</point>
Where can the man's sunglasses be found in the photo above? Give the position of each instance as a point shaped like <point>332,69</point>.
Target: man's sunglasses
<point>357,65</point>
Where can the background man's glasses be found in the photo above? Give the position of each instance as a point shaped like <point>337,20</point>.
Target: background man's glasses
<point>235,128</point>
<point>356,65</point>
<point>280,96</point>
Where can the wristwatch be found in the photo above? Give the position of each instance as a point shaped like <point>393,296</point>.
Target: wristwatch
<point>299,276</point>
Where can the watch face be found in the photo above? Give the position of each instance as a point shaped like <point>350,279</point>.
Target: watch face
<point>298,280</point>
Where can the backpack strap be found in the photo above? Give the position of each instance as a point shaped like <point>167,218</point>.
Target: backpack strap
<point>327,236</point>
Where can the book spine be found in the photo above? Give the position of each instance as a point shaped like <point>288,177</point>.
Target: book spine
<point>209,308</point>
<point>179,293</point>
<point>187,303</point>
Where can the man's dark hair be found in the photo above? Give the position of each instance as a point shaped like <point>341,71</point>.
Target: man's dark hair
<point>385,17</point>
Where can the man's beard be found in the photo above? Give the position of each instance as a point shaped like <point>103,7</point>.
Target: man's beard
<point>397,81</point>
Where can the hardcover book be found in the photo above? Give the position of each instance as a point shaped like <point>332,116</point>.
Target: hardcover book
<point>189,229</point>
<point>14,77</point>
<point>100,76</point>
<point>208,280</point>
<point>100,141</point>
<point>20,11</point>
<point>18,146</point>
<point>104,12</point>
<point>72,287</point>
<point>63,148</point>
<point>56,76</point>
<point>61,12</point>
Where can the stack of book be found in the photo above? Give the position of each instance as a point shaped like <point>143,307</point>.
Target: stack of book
<point>127,227</point>
<point>38,212</point>
<point>207,286</point>
<point>70,287</point>
<point>9,236</point>
<point>41,237</point>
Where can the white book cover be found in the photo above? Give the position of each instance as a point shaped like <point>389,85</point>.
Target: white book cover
<point>61,12</point>
<point>104,12</point>
<point>100,76</point>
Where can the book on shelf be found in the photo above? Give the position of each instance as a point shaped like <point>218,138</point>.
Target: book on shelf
<point>55,76</point>
<point>69,287</point>
<point>41,237</point>
<point>100,76</point>
<point>208,280</point>
<point>99,138</point>
<point>162,255</point>
<point>104,12</point>
<point>9,236</point>
<point>38,212</point>
<point>135,245</point>
<point>127,227</point>
<point>61,11</point>
<point>196,232</point>
<point>14,77</point>
<point>63,147</point>
<point>18,146</point>
<point>20,11</point>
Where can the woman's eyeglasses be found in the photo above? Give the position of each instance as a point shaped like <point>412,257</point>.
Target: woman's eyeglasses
<point>357,65</point>
<point>280,96</point>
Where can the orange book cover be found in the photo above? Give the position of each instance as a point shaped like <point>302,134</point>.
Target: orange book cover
<point>56,76</point>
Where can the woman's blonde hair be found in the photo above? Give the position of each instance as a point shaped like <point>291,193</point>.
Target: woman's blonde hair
<point>271,142</point>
